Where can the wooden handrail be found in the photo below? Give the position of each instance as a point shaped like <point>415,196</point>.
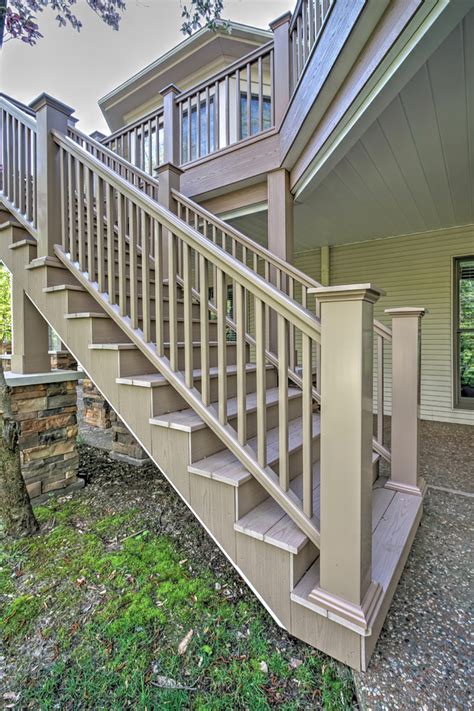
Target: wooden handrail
<point>25,118</point>
<point>100,193</point>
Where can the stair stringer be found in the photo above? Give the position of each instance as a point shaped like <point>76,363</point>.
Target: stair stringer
<point>270,572</point>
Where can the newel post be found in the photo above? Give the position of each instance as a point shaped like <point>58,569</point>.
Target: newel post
<point>346,590</point>
<point>406,360</point>
<point>281,57</point>
<point>50,114</point>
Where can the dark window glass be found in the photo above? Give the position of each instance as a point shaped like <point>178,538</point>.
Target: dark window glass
<point>254,115</point>
<point>203,117</point>
<point>464,335</point>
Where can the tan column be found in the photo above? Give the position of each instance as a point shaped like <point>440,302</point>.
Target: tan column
<point>50,114</point>
<point>346,589</point>
<point>405,399</point>
<point>281,38</point>
<point>30,336</point>
<point>280,230</point>
<point>171,138</point>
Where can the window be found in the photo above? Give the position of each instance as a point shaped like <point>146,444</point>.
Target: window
<point>254,115</point>
<point>203,118</point>
<point>464,332</point>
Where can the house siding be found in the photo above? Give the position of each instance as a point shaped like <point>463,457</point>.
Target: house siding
<point>414,270</point>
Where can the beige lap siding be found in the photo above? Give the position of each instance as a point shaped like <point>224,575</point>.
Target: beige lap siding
<point>414,270</point>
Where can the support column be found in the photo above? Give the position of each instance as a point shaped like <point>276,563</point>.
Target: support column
<point>346,588</point>
<point>280,230</point>
<point>30,352</point>
<point>50,114</point>
<point>281,39</point>
<point>406,360</point>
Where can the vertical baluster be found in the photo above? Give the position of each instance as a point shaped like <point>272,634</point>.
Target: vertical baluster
<point>21,167</point>
<point>190,133</point>
<point>150,147</point>
<point>122,256</point>
<point>304,22</point>
<point>260,338</point>
<point>238,121</point>
<point>267,309</point>
<point>100,235</point>
<point>227,110</point>
<point>217,141</point>
<point>71,188</point>
<point>145,263</point>
<point>292,344</point>
<point>188,321</point>
<point>143,147</point>
<point>88,175</point>
<point>34,195</point>
<point>214,268</point>
<point>249,100</point>
<point>63,197</point>
<point>222,345</point>
<point>204,321</point>
<point>158,238</point>
<point>307,425</point>
<point>173,299</point>
<point>260,94</point>
<point>8,182</point>
<point>208,122</point>
<point>198,124</point>
<point>240,314</point>
<point>15,162</point>
<point>28,202</point>
<point>80,214</point>
<point>272,87</point>
<point>311,24</point>
<point>133,268</point>
<point>380,389</point>
<point>110,211</point>
<point>255,262</point>
<point>284,465</point>
<point>181,132</point>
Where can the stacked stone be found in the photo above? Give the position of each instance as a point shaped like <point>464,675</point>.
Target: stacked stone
<point>62,360</point>
<point>47,413</point>
<point>125,447</point>
<point>97,411</point>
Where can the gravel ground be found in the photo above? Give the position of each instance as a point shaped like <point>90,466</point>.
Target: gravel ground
<point>425,653</point>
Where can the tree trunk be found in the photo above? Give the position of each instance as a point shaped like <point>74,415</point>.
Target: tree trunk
<point>15,505</point>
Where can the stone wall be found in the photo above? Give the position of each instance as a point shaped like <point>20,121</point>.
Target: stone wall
<point>97,411</point>
<point>125,447</point>
<point>47,413</point>
<point>62,360</point>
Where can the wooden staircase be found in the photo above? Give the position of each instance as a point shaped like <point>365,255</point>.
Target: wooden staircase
<point>225,403</point>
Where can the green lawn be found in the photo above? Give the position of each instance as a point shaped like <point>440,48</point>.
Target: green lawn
<point>95,607</point>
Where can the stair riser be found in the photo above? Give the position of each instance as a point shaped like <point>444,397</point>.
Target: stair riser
<point>231,355</point>
<point>204,442</point>
<point>163,402</point>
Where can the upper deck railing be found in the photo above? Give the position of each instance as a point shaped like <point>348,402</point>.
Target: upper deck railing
<point>307,24</point>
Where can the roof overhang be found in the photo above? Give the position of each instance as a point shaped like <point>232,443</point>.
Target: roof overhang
<point>204,48</point>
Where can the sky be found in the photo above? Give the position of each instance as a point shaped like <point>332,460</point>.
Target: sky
<point>79,68</point>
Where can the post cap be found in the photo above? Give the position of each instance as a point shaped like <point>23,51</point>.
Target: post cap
<point>284,19</point>
<point>419,311</point>
<point>168,166</point>
<point>170,88</point>
<point>348,292</point>
<point>46,100</point>
<point>98,136</point>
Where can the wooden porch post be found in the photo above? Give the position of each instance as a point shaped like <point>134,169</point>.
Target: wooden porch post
<point>280,229</point>
<point>406,329</point>
<point>281,87</point>
<point>169,172</point>
<point>30,352</point>
<point>50,114</point>
<point>346,590</point>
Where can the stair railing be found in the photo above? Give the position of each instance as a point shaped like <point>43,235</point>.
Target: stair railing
<point>90,192</point>
<point>18,155</point>
<point>137,177</point>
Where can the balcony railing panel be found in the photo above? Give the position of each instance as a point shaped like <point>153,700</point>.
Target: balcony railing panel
<point>141,142</point>
<point>306,26</point>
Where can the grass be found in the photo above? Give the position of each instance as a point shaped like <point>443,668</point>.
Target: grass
<point>108,602</point>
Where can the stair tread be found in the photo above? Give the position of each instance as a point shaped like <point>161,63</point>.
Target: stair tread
<point>268,521</point>
<point>154,380</point>
<point>87,314</point>
<point>224,466</point>
<point>77,287</point>
<point>305,586</point>
<point>190,421</point>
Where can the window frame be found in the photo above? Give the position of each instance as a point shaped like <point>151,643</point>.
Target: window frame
<point>459,402</point>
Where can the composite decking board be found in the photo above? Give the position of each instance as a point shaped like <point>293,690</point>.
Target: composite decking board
<point>390,536</point>
<point>271,524</point>
<point>225,458</point>
<point>156,379</point>
<point>190,421</point>
<point>381,500</point>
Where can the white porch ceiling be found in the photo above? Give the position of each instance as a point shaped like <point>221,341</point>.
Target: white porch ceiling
<point>413,169</point>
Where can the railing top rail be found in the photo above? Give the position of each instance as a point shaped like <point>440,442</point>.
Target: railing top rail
<point>114,156</point>
<point>131,126</point>
<point>238,64</point>
<point>301,317</point>
<point>382,330</point>
<point>263,252</point>
<point>18,113</point>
